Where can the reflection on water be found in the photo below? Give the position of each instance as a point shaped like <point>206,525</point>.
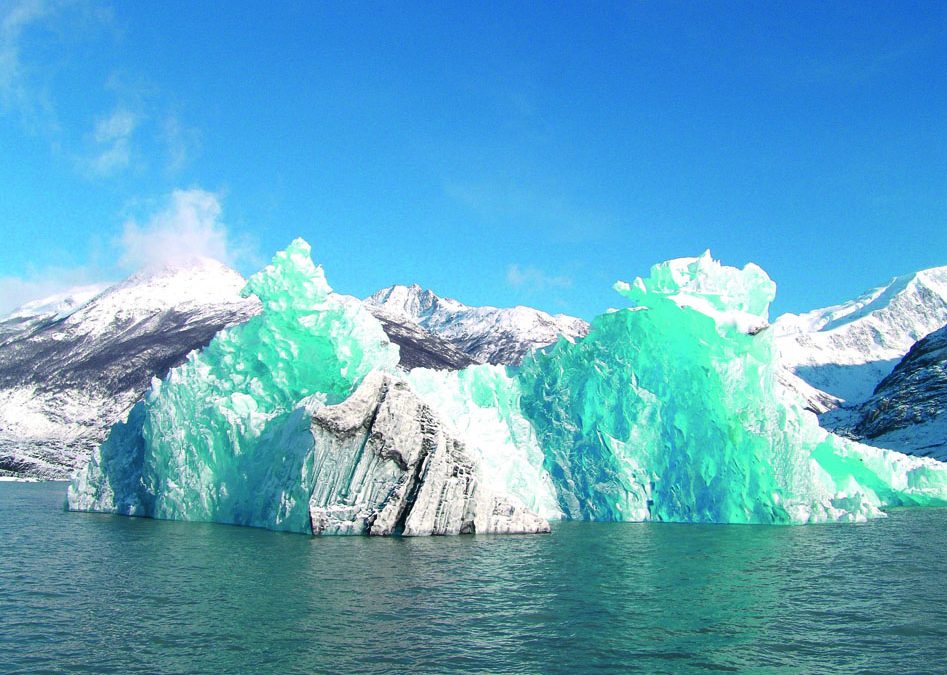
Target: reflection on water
<point>99,593</point>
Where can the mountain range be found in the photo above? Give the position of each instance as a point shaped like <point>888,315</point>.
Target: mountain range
<point>484,334</point>
<point>847,349</point>
<point>73,364</point>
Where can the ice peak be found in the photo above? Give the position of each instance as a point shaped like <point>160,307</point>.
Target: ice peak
<point>290,281</point>
<point>727,294</point>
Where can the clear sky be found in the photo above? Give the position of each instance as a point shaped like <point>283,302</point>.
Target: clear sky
<point>504,153</point>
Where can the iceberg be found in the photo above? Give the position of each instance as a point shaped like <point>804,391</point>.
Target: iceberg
<point>669,410</point>
<point>385,463</point>
<point>276,424</point>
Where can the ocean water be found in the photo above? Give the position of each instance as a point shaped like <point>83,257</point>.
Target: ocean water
<point>99,593</point>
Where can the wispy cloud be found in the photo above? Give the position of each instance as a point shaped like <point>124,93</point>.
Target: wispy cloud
<point>14,21</point>
<point>113,138</point>
<point>182,142</point>
<point>187,226</point>
<point>16,18</point>
<point>532,279</point>
<point>137,133</point>
<point>142,128</point>
<point>177,229</point>
<point>548,210</point>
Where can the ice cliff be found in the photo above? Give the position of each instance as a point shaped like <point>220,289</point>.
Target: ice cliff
<point>300,419</point>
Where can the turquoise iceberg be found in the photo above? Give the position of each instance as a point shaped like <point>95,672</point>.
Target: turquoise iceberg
<point>300,419</point>
<point>263,428</point>
<point>670,410</point>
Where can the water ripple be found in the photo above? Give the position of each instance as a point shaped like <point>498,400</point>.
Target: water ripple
<point>97,593</point>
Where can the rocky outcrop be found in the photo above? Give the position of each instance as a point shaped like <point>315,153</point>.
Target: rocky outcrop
<point>385,464</point>
<point>908,411</point>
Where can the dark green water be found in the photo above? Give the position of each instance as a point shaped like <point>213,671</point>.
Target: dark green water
<point>99,593</point>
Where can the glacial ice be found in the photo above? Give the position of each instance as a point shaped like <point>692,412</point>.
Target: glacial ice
<point>668,410</point>
<point>252,430</point>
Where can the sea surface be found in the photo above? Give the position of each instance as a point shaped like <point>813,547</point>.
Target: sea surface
<point>102,594</point>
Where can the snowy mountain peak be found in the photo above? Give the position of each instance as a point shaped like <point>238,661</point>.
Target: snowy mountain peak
<point>847,349</point>
<point>200,283</point>
<point>199,278</point>
<point>59,305</point>
<point>411,302</point>
<point>931,283</point>
<point>65,380</point>
<point>486,334</point>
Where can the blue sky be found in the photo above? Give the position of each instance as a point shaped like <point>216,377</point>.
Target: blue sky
<point>501,153</point>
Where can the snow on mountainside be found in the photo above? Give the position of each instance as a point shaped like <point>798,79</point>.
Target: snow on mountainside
<point>38,313</point>
<point>74,363</point>
<point>908,411</point>
<point>67,376</point>
<point>485,334</point>
<point>420,348</point>
<point>71,365</point>
<point>846,350</point>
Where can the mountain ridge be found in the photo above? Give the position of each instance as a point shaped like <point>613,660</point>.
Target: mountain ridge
<point>845,350</point>
<point>487,334</point>
<point>73,364</point>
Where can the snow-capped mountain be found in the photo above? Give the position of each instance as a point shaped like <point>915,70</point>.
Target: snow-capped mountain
<point>846,350</point>
<point>73,368</point>
<point>485,334</point>
<point>38,313</point>
<point>73,364</point>
<point>908,411</point>
<point>420,348</point>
